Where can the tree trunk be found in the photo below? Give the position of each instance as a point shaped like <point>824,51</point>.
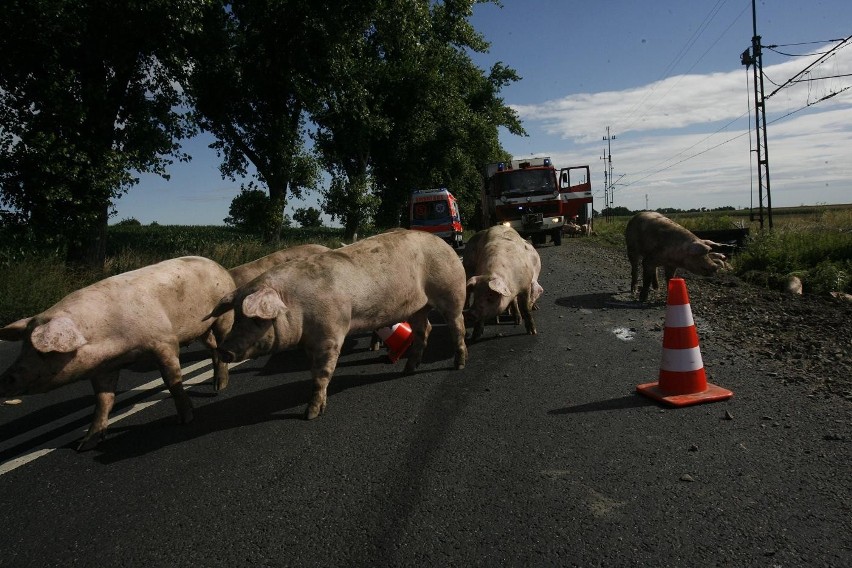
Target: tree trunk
<point>87,244</point>
<point>275,214</point>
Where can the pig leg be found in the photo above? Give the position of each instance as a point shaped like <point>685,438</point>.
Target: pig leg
<point>513,309</point>
<point>649,278</point>
<point>375,342</point>
<point>104,386</point>
<point>323,362</point>
<point>455,323</point>
<point>526,312</point>
<point>170,369</point>
<point>220,367</point>
<point>421,328</point>
<point>634,270</point>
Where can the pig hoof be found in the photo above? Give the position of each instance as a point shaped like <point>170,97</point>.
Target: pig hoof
<point>313,412</point>
<point>91,441</point>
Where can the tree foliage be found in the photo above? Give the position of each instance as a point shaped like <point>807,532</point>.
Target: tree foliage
<point>88,96</point>
<point>380,94</point>
<point>248,210</point>
<point>308,217</point>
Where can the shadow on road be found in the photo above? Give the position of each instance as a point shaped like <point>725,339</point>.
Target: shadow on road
<point>629,401</point>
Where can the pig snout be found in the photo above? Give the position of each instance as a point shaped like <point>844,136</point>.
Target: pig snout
<point>226,355</point>
<point>469,317</point>
<point>13,383</point>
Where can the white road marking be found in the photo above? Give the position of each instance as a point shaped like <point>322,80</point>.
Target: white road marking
<point>48,447</point>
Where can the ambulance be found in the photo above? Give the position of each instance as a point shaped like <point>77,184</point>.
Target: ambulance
<point>436,211</point>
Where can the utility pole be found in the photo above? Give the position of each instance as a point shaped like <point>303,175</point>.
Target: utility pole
<point>755,59</point>
<point>609,182</point>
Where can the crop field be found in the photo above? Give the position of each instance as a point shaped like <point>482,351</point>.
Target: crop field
<point>813,243</point>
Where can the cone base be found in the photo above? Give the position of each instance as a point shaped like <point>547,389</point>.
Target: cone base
<point>712,394</point>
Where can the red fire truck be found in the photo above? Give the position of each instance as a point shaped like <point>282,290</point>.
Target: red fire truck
<point>436,211</point>
<point>529,196</point>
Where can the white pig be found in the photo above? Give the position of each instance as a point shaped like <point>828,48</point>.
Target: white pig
<point>502,271</point>
<point>94,332</point>
<point>247,272</point>
<point>315,303</point>
<point>250,270</point>
<point>655,240</point>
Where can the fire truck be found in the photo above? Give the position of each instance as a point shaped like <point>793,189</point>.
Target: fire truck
<point>436,211</point>
<point>530,197</point>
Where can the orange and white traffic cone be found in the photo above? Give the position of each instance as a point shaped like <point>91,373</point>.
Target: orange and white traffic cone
<point>398,338</point>
<point>682,379</point>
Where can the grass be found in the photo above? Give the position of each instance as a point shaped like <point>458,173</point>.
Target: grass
<point>32,279</point>
<point>813,243</point>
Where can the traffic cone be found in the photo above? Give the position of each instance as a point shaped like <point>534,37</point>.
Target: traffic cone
<point>398,338</point>
<point>682,379</point>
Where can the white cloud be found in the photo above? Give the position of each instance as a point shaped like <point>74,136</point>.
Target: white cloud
<point>685,141</point>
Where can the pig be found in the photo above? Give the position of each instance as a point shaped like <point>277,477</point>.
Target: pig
<point>655,240</point>
<point>502,271</point>
<point>250,270</point>
<point>96,331</point>
<point>316,302</point>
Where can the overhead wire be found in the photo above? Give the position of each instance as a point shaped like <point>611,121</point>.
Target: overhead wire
<point>748,132</point>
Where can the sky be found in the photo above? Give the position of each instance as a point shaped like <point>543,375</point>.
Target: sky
<point>664,76</point>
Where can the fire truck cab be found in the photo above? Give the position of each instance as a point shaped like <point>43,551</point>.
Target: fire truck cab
<point>436,211</point>
<point>535,198</point>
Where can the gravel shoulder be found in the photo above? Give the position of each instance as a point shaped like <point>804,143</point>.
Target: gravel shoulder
<point>796,339</point>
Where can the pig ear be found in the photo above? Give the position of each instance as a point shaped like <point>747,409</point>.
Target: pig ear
<point>15,331</point>
<point>536,291</point>
<point>225,305</point>
<point>499,285</point>
<point>59,334</point>
<point>697,249</point>
<point>263,304</point>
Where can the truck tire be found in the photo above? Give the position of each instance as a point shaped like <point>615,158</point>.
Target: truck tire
<point>557,237</point>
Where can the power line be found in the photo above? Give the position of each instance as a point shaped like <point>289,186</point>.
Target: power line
<point>803,71</point>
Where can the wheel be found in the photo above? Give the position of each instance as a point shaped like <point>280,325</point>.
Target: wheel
<point>557,237</point>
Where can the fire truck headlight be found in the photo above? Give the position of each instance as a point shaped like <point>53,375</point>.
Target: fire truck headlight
<point>555,220</point>
<point>507,224</point>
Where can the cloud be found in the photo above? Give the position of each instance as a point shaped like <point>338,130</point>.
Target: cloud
<point>686,141</point>
<point>686,100</point>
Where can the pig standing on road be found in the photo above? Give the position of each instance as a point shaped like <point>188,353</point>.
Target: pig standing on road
<point>655,240</point>
<point>373,283</point>
<point>247,272</point>
<point>502,271</point>
<point>97,330</point>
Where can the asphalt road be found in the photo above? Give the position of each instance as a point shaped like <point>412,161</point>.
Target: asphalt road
<point>538,453</point>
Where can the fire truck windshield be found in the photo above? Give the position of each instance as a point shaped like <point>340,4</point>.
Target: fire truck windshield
<point>521,183</point>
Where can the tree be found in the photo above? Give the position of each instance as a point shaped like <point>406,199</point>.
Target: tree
<point>406,108</point>
<point>88,96</point>
<point>248,210</point>
<point>255,66</point>
<point>308,217</point>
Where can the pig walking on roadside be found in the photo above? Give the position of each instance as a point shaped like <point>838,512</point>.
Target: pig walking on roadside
<point>316,302</point>
<point>655,240</point>
<point>97,330</point>
<point>502,271</point>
